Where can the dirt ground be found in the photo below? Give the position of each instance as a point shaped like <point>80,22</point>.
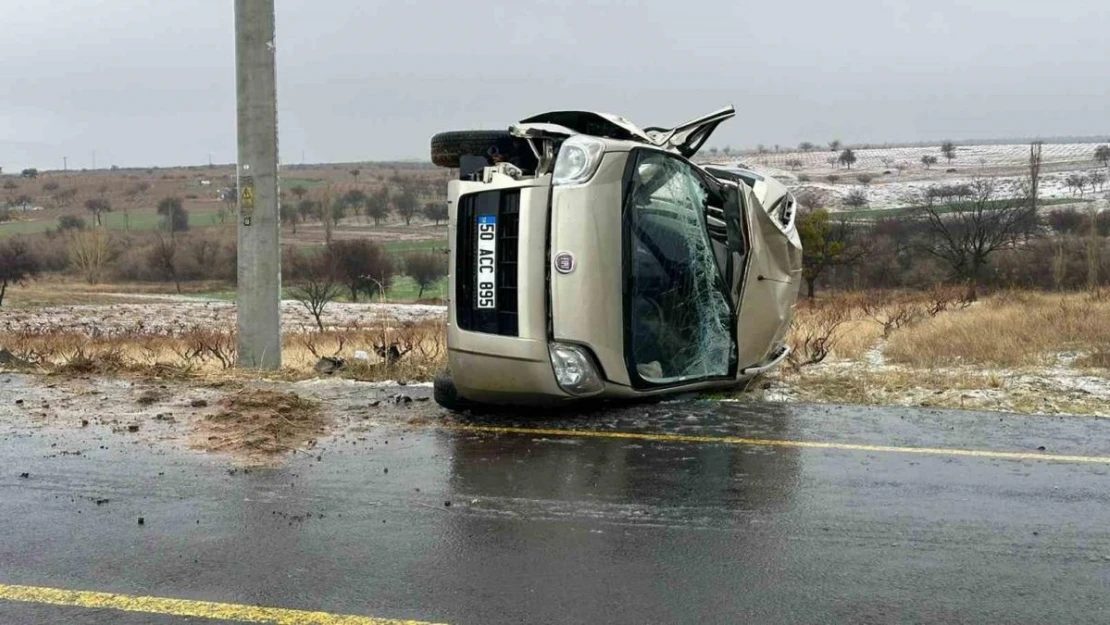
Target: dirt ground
<point>247,423</point>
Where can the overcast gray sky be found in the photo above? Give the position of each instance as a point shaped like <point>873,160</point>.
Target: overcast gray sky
<point>152,83</point>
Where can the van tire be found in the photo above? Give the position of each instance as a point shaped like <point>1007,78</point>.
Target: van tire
<point>446,395</point>
<point>449,147</point>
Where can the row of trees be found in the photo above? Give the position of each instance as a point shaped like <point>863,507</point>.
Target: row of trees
<point>376,206</point>
<point>848,157</point>
<point>357,268</point>
<point>954,233</point>
<point>174,216</point>
<point>948,149</point>
<point>354,267</point>
<point>60,197</point>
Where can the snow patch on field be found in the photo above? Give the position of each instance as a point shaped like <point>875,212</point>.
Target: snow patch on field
<point>898,174</point>
<point>173,317</point>
<point>1058,389</point>
<point>1006,155</point>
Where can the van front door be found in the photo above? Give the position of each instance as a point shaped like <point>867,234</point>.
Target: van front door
<point>678,321</point>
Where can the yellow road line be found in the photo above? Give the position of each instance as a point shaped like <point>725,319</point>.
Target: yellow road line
<point>185,607</point>
<point>770,442</point>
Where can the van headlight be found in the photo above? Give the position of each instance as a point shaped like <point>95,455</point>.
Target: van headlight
<point>577,160</point>
<point>574,369</point>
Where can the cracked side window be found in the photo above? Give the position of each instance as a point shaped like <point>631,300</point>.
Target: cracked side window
<point>679,318</point>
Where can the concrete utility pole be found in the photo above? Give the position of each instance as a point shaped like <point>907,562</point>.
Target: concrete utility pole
<point>259,291</point>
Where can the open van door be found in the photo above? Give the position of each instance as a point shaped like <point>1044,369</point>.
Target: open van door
<point>688,138</point>
<point>685,139</point>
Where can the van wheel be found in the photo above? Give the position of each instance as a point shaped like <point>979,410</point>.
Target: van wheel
<point>446,395</point>
<point>494,145</point>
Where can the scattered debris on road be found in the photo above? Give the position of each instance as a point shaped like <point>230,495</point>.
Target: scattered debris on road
<point>260,423</point>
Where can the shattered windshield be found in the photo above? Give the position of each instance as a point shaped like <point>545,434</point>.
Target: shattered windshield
<point>680,321</point>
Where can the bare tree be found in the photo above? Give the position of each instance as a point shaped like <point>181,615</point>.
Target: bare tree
<point>1102,155</point>
<point>425,269</point>
<point>834,145</point>
<point>354,200</point>
<point>847,158</point>
<point>1094,249</point>
<point>132,196</point>
<point>298,192</point>
<point>966,237</point>
<point>24,201</point>
<point>318,286</point>
<point>289,215</point>
<point>354,174</point>
<point>1034,183</point>
<point>1077,182</point>
<point>90,251</point>
<point>362,266</point>
<point>892,313</point>
<point>794,163</point>
<point>825,243</point>
<point>17,264</point>
<point>948,149</point>
<point>326,209</point>
<point>377,205</point>
<point>163,255</point>
<point>98,206</point>
<point>64,197</point>
<point>435,211</point>
<point>856,198</point>
<point>928,160</point>
<point>407,204</point>
<point>337,212</point>
<point>1097,180</point>
<point>174,216</point>
<point>805,146</point>
<point>813,340</point>
<point>307,210</point>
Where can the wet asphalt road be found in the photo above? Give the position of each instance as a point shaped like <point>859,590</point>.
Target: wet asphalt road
<point>556,529</point>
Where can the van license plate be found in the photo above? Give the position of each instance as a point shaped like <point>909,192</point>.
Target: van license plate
<point>486,267</point>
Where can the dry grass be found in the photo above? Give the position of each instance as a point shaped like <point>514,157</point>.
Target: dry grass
<point>1010,330</point>
<point>1002,353</point>
<point>413,350</point>
<point>1005,330</point>
<point>260,423</point>
<point>1096,360</point>
<point>858,337</point>
<point>883,387</point>
<point>56,290</point>
<point>861,319</point>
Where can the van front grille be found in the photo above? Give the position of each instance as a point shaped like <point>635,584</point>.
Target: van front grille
<point>503,318</point>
